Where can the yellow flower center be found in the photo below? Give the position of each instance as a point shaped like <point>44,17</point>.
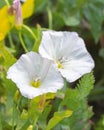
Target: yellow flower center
<point>60,66</point>
<point>36,83</point>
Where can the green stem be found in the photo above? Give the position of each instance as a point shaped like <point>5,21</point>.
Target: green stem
<point>66,85</point>
<point>13,118</point>
<point>7,2</point>
<point>29,30</point>
<point>10,40</point>
<point>22,42</point>
<point>50,18</point>
<point>1,122</point>
<point>35,122</point>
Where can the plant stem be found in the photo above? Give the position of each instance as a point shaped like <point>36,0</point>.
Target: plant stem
<point>50,18</point>
<point>13,118</point>
<point>22,42</point>
<point>66,84</point>
<point>0,122</point>
<point>7,2</point>
<point>29,30</point>
<point>10,40</point>
<point>35,122</point>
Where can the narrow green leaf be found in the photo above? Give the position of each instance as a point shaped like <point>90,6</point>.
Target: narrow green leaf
<point>100,124</point>
<point>8,57</point>
<point>0,123</point>
<point>76,100</point>
<point>58,116</point>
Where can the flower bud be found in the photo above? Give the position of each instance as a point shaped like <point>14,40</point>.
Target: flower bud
<point>16,10</point>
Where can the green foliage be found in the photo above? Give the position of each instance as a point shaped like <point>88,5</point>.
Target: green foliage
<point>8,58</point>
<point>76,100</point>
<point>93,12</point>
<point>101,52</point>
<point>58,116</point>
<point>19,113</point>
<point>73,13</point>
<point>100,124</point>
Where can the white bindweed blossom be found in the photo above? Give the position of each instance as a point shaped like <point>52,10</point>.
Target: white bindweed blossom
<point>69,53</point>
<point>35,75</point>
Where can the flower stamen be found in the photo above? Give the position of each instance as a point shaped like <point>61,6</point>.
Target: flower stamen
<point>59,65</point>
<point>36,83</point>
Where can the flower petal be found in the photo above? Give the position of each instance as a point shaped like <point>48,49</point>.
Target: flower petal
<point>33,65</point>
<point>53,80</point>
<point>24,69</point>
<point>75,69</point>
<point>54,44</point>
<point>70,49</point>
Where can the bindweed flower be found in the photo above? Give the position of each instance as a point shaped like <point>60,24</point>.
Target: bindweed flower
<point>16,10</point>
<point>35,75</point>
<point>69,53</point>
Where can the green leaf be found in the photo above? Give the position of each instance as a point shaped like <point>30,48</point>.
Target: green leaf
<point>7,56</point>
<point>44,116</point>
<point>101,52</point>
<point>73,20</point>
<point>40,5</point>
<point>0,122</point>
<point>70,11</point>
<point>85,85</point>
<point>76,100</point>
<point>2,3</point>
<point>93,12</point>
<point>58,20</point>
<point>34,109</point>
<point>58,116</point>
<point>100,124</point>
<point>23,121</point>
<point>7,61</point>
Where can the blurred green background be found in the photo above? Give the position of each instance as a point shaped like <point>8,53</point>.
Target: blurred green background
<point>83,16</point>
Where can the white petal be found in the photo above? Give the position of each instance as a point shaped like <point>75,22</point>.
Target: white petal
<point>53,80</point>
<point>54,44</point>
<point>70,48</point>
<point>33,65</point>
<point>75,69</point>
<point>24,69</point>
<point>46,47</point>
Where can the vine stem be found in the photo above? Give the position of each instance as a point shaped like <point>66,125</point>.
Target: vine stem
<point>29,30</point>
<point>7,2</point>
<point>13,118</point>
<point>22,42</point>
<point>66,84</point>
<point>10,40</point>
<point>50,18</point>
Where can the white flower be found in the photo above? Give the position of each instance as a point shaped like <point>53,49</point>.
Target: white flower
<point>35,75</point>
<point>68,51</point>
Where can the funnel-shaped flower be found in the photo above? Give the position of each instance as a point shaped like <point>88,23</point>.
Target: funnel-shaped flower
<point>35,75</point>
<point>17,12</point>
<point>69,53</point>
